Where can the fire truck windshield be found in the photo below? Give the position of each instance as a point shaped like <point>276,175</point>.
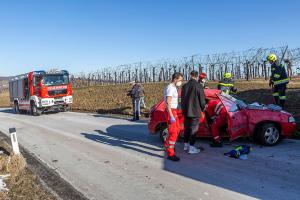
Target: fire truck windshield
<point>55,79</point>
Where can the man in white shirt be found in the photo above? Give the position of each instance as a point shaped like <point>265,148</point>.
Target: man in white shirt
<point>171,103</point>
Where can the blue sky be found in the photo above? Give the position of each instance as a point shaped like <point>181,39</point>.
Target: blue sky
<point>85,35</point>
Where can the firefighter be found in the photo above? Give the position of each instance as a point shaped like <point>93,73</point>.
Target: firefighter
<point>278,80</point>
<point>217,113</point>
<point>227,84</point>
<point>203,80</point>
<point>171,103</point>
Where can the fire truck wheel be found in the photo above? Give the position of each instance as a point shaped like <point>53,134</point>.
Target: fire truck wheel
<point>16,108</point>
<point>34,110</point>
<point>66,109</point>
<point>269,134</point>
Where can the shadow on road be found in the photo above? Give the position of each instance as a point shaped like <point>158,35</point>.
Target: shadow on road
<point>122,136</point>
<point>112,116</point>
<point>24,112</point>
<point>116,116</point>
<point>268,173</point>
<point>122,110</point>
<point>9,110</point>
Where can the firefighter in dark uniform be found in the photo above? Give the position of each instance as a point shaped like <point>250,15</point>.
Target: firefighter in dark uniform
<point>278,80</point>
<point>227,84</point>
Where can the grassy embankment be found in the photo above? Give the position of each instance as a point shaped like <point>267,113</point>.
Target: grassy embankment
<point>21,183</point>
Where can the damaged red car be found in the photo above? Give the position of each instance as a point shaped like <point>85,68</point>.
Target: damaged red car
<point>266,124</point>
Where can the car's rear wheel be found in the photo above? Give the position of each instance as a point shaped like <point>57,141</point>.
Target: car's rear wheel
<point>269,134</point>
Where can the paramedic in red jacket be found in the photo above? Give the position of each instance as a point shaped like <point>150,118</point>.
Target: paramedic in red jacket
<point>171,103</point>
<point>218,114</point>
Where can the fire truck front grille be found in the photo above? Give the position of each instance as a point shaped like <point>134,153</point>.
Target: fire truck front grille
<point>57,92</point>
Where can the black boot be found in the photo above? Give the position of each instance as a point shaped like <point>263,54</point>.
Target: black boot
<point>174,158</point>
<point>216,144</point>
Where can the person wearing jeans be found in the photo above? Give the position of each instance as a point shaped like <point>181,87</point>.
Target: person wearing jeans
<point>191,125</point>
<point>192,104</point>
<point>136,108</point>
<point>135,93</point>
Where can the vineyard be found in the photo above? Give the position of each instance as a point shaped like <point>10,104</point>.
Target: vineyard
<point>247,65</point>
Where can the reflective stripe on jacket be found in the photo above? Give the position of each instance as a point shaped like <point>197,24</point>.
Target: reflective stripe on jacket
<point>279,75</point>
<point>227,86</point>
<point>214,108</point>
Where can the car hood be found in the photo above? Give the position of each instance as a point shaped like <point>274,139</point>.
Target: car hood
<point>257,106</point>
<point>233,104</point>
<point>269,107</point>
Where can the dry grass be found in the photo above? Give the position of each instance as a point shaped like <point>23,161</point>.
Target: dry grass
<point>4,164</point>
<point>22,184</point>
<point>16,166</point>
<point>113,99</point>
<point>26,187</point>
<point>12,165</point>
<point>4,99</point>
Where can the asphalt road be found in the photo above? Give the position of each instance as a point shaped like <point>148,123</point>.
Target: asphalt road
<point>113,158</point>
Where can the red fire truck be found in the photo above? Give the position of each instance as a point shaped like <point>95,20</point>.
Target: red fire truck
<point>40,91</point>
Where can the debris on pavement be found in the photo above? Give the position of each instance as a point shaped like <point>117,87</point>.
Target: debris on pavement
<point>239,152</point>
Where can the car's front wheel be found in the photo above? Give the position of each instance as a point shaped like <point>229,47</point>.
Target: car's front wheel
<point>66,109</point>
<point>269,134</point>
<point>34,111</point>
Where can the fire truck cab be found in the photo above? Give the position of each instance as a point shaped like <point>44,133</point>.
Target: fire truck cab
<point>40,91</point>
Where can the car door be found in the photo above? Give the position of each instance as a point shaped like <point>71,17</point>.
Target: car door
<point>237,118</point>
<point>36,82</point>
<point>24,94</point>
<point>203,130</point>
